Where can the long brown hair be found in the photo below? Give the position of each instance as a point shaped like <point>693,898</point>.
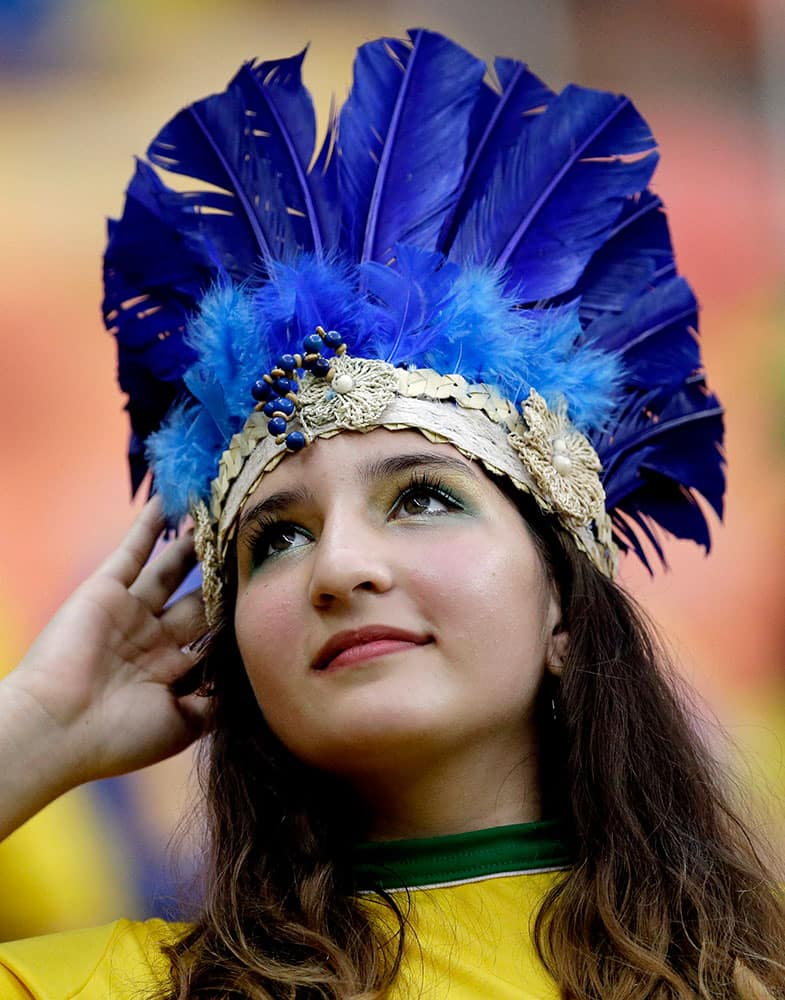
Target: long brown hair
<point>668,896</point>
<point>667,899</point>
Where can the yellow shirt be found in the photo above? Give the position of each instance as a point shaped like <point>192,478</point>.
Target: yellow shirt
<point>469,915</point>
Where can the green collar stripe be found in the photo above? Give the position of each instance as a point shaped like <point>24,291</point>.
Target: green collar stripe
<point>459,857</point>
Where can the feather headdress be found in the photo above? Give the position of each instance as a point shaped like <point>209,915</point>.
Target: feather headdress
<point>486,229</point>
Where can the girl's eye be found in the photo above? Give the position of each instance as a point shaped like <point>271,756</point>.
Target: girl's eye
<point>425,500</point>
<point>276,539</point>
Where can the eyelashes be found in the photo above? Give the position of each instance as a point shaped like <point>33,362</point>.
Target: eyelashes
<point>425,496</point>
<point>270,537</point>
<point>422,486</point>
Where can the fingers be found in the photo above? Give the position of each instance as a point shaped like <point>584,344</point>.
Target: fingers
<point>127,560</point>
<point>195,709</point>
<point>184,620</point>
<point>160,578</point>
<point>190,682</point>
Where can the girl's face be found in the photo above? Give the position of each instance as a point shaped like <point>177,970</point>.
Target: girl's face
<point>391,604</point>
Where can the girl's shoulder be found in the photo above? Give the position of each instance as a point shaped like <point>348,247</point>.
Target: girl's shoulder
<point>122,960</point>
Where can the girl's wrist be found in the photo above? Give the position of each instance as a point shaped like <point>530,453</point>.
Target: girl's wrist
<point>37,759</point>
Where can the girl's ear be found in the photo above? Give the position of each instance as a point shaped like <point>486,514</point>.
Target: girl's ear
<point>556,652</point>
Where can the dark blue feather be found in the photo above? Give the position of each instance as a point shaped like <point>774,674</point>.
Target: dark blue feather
<point>212,142</point>
<point>498,119</point>
<point>154,278</point>
<point>281,117</point>
<point>553,201</point>
<point>624,531</point>
<point>324,183</point>
<point>403,138</point>
<point>657,455</point>
<point>655,336</point>
<point>637,255</point>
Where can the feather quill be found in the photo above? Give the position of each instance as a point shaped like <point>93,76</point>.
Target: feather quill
<point>553,200</point>
<point>283,124</point>
<point>403,139</point>
<point>637,255</point>
<point>656,457</point>
<point>498,120</point>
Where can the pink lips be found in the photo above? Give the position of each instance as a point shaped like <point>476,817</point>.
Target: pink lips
<point>356,645</point>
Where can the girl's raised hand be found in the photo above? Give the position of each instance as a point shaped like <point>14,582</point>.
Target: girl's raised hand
<point>94,695</point>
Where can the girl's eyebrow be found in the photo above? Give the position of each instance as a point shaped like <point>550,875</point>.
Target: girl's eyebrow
<point>372,471</point>
<point>382,468</point>
<point>273,504</point>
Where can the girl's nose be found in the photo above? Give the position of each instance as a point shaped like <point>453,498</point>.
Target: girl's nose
<point>350,559</point>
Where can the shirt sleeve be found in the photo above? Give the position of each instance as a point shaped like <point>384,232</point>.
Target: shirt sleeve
<point>121,961</point>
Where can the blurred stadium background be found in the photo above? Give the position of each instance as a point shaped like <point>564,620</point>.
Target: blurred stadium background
<point>85,84</point>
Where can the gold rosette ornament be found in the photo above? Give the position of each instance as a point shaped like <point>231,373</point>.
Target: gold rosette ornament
<point>561,462</point>
<point>354,394</point>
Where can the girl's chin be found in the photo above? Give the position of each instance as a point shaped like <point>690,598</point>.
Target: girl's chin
<point>376,743</point>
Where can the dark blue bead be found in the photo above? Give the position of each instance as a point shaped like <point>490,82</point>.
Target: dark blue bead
<point>286,361</point>
<point>276,426</point>
<point>308,365</point>
<point>313,343</point>
<point>333,339</point>
<point>261,390</point>
<point>321,366</point>
<point>269,408</point>
<point>285,406</point>
<point>282,386</point>
<point>295,441</point>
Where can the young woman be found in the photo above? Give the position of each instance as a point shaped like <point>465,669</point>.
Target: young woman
<point>437,381</point>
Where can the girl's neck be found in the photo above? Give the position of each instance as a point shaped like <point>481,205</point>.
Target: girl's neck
<point>472,790</point>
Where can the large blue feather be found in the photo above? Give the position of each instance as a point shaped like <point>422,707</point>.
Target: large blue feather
<point>403,137</point>
<point>553,201</point>
<point>637,255</point>
<point>211,141</point>
<point>655,336</point>
<point>657,456</point>
<point>282,120</point>
<point>153,276</point>
<point>153,279</point>
<point>324,183</point>
<point>498,119</point>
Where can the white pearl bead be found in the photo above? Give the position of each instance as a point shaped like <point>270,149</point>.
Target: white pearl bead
<point>560,446</point>
<point>342,383</point>
<point>562,463</point>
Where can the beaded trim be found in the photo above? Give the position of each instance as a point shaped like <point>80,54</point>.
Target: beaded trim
<point>536,448</point>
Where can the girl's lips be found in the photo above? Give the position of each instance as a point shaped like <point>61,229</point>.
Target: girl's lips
<point>368,651</point>
<point>358,644</point>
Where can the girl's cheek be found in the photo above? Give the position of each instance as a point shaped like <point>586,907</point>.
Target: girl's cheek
<point>266,614</point>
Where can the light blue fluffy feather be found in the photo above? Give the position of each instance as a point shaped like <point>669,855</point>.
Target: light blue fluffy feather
<point>184,453</point>
<point>298,297</point>
<point>227,340</point>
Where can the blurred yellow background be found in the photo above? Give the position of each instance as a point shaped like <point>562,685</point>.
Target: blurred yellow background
<point>85,86</point>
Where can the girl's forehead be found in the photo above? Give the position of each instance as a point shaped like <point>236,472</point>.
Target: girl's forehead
<point>353,451</point>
